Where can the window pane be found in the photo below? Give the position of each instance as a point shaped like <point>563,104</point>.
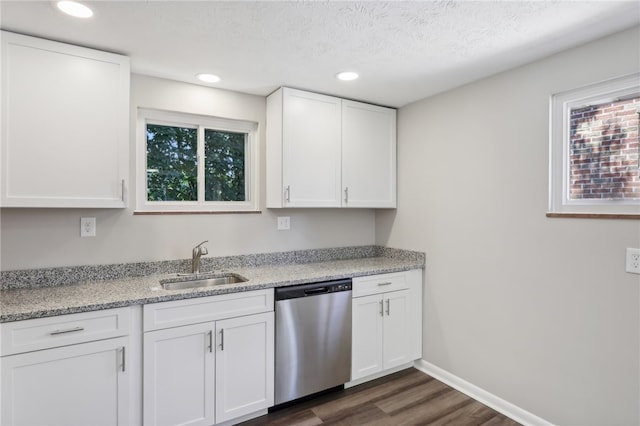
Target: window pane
<point>172,168</point>
<point>604,151</point>
<point>224,166</point>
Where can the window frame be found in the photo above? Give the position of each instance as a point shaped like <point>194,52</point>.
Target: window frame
<point>200,122</point>
<point>560,105</point>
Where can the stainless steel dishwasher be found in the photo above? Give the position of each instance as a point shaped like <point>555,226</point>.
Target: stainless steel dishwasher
<point>313,338</point>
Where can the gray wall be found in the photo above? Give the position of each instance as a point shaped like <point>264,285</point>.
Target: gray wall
<point>33,238</point>
<point>537,311</point>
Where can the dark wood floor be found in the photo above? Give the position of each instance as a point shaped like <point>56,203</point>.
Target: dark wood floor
<point>408,397</point>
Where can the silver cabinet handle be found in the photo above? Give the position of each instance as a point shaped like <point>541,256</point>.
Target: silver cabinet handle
<point>68,330</point>
<point>210,340</point>
<point>388,304</point>
<point>381,308</point>
<point>123,359</point>
<point>222,339</point>
<point>346,194</point>
<point>381,284</point>
<point>123,190</point>
<point>287,194</point>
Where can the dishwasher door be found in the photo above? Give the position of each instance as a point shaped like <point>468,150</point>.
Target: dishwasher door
<point>313,343</point>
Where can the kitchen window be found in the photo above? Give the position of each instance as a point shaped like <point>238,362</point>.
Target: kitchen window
<point>194,163</point>
<point>595,150</point>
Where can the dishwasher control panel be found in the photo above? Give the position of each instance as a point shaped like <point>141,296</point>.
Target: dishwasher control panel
<point>340,287</point>
<point>312,289</point>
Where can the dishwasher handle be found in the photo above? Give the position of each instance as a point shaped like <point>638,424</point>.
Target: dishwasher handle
<point>312,289</point>
<point>317,290</point>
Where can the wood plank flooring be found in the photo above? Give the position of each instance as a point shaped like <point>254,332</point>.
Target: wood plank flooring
<point>408,397</point>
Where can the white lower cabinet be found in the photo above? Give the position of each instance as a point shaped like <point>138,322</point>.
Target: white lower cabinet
<point>178,378</point>
<point>80,384</point>
<point>244,365</point>
<point>386,324</point>
<point>210,372</point>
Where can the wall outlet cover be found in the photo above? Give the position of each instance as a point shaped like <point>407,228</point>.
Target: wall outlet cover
<point>87,226</point>
<point>633,260</point>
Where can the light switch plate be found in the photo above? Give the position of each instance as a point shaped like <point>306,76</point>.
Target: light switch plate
<point>284,223</point>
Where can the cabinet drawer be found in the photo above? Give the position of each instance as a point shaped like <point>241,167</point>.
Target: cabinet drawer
<point>42,333</point>
<point>375,284</point>
<point>183,312</point>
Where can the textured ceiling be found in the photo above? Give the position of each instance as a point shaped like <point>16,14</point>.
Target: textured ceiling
<point>404,51</point>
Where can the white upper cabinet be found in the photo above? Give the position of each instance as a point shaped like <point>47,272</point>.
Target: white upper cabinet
<point>303,149</point>
<point>368,155</point>
<point>324,151</point>
<point>65,121</point>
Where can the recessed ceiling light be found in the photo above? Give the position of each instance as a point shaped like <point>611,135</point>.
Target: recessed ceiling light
<point>208,78</point>
<point>75,9</point>
<point>347,75</point>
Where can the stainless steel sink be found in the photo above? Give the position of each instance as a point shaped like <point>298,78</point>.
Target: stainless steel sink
<point>195,282</point>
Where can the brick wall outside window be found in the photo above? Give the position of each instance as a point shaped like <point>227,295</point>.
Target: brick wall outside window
<point>604,151</point>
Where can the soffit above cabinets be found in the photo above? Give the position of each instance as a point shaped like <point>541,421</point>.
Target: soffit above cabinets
<point>403,51</point>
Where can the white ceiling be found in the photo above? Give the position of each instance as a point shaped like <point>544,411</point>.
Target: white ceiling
<point>404,51</point>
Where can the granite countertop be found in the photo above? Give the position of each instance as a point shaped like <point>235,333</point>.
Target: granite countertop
<point>26,303</point>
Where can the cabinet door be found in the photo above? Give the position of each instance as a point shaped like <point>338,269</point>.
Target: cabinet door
<point>367,321</point>
<point>311,149</point>
<point>64,137</point>
<point>396,329</point>
<point>244,365</point>
<point>368,155</point>
<point>84,384</point>
<point>178,381</point>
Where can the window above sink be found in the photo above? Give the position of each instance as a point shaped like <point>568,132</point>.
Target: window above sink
<point>195,163</point>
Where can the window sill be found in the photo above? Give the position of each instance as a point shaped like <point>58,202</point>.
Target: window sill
<point>167,212</point>
<point>594,215</point>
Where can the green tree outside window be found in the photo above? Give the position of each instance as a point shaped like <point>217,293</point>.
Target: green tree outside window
<point>224,166</point>
<point>172,164</point>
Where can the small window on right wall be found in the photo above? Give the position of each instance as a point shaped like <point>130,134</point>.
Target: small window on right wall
<point>595,149</point>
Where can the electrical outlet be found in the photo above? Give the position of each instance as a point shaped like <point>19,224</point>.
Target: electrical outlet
<point>87,226</point>
<point>633,260</point>
<point>284,223</point>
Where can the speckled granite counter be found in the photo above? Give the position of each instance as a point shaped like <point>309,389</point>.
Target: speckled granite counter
<point>43,301</point>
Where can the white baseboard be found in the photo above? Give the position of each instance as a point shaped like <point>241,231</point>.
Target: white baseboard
<point>378,375</point>
<point>490,400</point>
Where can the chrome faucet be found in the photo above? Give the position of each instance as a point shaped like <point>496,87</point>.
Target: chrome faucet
<point>196,253</point>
